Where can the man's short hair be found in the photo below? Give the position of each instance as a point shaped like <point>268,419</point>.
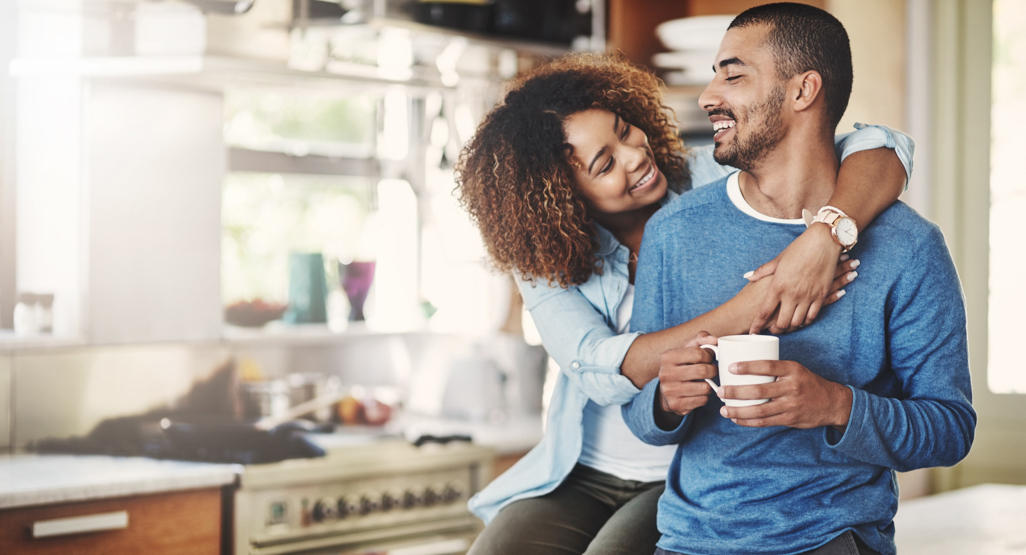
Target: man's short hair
<point>806,38</point>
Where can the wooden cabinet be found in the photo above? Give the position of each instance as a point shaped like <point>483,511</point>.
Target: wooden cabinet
<point>632,23</point>
<point>184,522</point>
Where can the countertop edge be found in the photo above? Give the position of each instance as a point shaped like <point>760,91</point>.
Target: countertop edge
<point>95,492</point>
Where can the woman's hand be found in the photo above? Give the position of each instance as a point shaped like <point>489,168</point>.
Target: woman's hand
<point>792,294</point>
<point>645,358</point>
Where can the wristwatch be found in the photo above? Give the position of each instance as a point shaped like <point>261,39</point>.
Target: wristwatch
<point>842,227</point>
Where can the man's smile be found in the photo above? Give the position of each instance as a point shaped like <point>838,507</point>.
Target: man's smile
<point>721,126</point>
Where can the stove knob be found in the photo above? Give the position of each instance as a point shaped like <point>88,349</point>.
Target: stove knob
<point>346,507</point>
<point>325,509</point>
<point>390,500</point>
<point>412,498</point>
<point>452,493</point>
<point>368,504</point>
<point>430,497</point>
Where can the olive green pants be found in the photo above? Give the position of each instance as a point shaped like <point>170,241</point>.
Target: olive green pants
<point>590,513</point>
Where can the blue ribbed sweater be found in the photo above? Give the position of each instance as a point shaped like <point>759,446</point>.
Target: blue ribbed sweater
<point>897,339</point>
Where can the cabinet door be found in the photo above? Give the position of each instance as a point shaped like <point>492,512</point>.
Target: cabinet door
<point>186,523</point>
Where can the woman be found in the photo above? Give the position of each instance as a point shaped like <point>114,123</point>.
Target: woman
<point>570,228</point>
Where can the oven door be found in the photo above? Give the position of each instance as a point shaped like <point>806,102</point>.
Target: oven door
<point>453,541</point>
<point>430,545</point>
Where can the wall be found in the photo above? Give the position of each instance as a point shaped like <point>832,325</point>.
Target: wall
<point>876,29</point>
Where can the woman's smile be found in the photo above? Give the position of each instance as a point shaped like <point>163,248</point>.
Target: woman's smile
<point>646,182</point>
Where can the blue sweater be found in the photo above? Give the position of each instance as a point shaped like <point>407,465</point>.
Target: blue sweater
<point>897,339</point>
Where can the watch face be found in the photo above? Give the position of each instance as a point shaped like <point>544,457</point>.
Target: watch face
<point>846,231</point>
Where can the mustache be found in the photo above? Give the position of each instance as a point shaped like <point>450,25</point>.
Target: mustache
<point>723,112</point>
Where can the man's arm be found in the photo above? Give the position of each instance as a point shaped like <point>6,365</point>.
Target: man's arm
<point>647,420</point>
<point>932,423</point>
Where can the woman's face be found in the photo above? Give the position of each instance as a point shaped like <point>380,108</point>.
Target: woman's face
<point>616,168</point>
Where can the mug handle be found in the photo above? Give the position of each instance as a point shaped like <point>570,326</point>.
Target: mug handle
<point>716,352</point>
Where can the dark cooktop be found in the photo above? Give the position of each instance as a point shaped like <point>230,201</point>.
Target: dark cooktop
<point>194,438</point>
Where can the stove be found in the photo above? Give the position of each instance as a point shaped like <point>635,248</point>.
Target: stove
<point>367,495</point>
<point>317,490</point>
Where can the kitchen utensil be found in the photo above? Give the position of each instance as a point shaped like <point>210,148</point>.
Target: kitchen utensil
<point>694,33</point>
<point>300,410</point>
<point>698,61</point>
<point>305,387</point>
<point>308,290</point>
<point>253,314</point>
<point>264,398</point>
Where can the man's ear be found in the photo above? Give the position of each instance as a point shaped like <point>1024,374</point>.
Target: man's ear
<point>805,89</point>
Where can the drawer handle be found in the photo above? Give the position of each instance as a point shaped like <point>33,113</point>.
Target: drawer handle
<point>80,524</point>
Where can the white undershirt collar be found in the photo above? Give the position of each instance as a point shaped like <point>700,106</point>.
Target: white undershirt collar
<point>735,196</point>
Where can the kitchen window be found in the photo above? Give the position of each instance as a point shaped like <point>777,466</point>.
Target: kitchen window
<point>1008,198</point>
<point>346,176</point>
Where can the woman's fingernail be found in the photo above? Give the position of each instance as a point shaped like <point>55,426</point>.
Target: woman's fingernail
<point>732,368</point>
<point>748,275</point>
<point>852,275</point>
<point>723,412</point>
<point>719,392</point>
<point>844,257</point>
<point>855,263</point>
<point>840,293</point>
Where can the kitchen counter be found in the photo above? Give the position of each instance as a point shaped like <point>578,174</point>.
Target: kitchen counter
<point>981,520</point>
<point>514,435</point>
<point>27,480</point>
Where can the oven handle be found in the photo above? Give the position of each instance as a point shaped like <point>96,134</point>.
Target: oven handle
<point>80,524</point>
<point>448,547</point>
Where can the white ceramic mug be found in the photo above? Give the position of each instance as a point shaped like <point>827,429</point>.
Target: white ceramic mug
<point>743,348</point>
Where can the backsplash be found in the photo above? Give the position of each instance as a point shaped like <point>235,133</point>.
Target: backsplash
<point>65,392</point>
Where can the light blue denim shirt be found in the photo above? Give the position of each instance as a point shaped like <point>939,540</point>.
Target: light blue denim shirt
<point>577,326</point>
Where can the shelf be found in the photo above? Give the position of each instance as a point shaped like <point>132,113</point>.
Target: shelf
<point>220,72</point>
<point>279,333</point>
<point>11,342</point>
<point>549,50</point>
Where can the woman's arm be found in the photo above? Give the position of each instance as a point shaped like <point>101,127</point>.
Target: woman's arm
<point>642,362</point>
<point>580,340</point>
<point>868,182</point>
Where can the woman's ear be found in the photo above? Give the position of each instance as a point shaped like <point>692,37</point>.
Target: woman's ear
<point>806,88</point>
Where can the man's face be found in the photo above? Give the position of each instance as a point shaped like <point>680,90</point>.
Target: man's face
<point>745,98</point>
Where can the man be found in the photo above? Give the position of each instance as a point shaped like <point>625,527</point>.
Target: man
<point>880,382</point>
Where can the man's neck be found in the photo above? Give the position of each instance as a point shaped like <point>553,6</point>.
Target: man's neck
<point>800,172</point>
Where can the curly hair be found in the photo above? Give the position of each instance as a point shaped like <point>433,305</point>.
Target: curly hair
<point>515,177</point>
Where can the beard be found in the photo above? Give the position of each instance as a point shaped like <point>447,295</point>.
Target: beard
<point>764,123</point>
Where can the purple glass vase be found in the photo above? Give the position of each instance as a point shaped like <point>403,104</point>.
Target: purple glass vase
<point>356,280</point>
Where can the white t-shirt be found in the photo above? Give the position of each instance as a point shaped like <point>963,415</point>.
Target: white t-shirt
<point>609,446</point>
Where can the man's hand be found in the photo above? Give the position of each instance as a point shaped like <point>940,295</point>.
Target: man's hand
<point>682,388</point>
<point>803,274</point>
<point>797,399</point>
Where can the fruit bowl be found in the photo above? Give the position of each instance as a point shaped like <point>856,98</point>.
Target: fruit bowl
<point>253,314</point>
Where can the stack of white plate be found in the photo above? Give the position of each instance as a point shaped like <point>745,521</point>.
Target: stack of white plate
<point>693,42</point>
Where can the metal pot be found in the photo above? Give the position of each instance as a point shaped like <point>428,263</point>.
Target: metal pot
<point>264,398</point>
<point>306,387</point>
